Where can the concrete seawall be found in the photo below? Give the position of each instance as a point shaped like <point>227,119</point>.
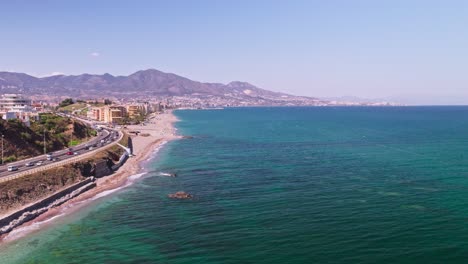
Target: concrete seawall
<point>122,160</point>
<point>32,211</point>
<point>8,223</point>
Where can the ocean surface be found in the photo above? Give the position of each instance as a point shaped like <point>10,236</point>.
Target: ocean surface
<point>282,185</point>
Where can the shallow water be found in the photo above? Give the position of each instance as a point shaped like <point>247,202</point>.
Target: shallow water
<point>282,185</point>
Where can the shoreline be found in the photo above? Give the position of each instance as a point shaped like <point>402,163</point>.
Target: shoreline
<point>159,130</point>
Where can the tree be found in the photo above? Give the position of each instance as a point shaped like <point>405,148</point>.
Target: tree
<point>66,102</point>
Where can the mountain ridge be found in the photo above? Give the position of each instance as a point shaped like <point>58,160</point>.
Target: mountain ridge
<point>142,84</point>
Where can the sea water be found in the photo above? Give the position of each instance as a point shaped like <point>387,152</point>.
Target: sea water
<point>282,185</point>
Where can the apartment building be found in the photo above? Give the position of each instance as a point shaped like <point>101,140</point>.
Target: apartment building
<point>15,106</point>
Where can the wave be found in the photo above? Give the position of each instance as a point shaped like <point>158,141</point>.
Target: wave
<point>129,181</point>
<point>34,226</point>
<point>156,151</point>
<point>24,230</point>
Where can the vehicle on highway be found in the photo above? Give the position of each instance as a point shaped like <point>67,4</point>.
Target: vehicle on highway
<point>12,168</point>
<point>39,163</point>
<point>29,164</point>
<point>75,153</point>
<point>55,159</point>
<point>69,153</point>
<point>49,156</point>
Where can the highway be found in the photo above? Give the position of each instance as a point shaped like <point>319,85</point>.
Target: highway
<point>105,137</point>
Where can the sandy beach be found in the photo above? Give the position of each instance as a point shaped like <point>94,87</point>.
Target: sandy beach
<point>158,130</point>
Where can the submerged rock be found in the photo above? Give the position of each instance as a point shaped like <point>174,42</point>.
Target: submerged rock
<point>187,137</point>
<point>180,195</point>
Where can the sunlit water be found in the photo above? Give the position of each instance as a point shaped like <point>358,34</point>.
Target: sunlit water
<point>282,185</point>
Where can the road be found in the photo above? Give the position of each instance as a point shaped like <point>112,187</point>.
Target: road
<point>105,137</point>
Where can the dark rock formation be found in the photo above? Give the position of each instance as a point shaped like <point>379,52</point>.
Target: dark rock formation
<point>180,195</point>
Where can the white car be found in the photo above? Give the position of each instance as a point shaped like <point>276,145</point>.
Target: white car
<point>39,163</point>
<point>12,168</point>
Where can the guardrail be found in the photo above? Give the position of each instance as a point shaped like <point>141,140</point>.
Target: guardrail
<point>61,163</point>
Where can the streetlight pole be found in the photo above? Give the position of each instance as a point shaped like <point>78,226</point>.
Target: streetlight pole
<point>3,136</point>
<point>45,148</point>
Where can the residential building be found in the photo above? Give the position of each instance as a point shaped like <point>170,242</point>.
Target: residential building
<point>16,106</point>
<point>114,114</point>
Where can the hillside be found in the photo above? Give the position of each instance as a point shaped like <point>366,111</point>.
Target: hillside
<point>20,141</point>
<point>140,84</point>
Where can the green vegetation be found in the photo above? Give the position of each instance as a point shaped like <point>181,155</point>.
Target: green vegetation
<point>72,107</point>
<point>135,120</point>
<point>74,143</point>
<point>59,132</point>
<point>66,102</point>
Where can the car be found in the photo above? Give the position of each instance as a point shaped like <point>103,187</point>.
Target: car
<point>75,153</point>
<point>49,156</point>
<point>29,164</point>
<point>69,153</point>
<point>55,159</point>
<point>39,163</point>
<point>12,168</point>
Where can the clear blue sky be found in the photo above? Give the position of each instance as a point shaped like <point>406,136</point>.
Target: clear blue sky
<point>372,49</point>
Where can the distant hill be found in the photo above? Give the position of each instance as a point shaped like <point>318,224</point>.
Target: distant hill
<point>139,84</point>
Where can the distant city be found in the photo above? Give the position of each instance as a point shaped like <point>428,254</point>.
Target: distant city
<point>142,91</point>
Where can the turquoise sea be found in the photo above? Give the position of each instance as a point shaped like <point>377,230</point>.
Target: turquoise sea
<point>282,185</point>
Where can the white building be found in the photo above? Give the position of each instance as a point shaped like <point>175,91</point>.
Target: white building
<point>8,101</point>
<point>14,106</point>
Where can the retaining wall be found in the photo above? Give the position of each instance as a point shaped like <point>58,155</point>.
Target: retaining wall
<point>44,203</point>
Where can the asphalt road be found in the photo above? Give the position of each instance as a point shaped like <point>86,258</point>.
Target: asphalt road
<point>106,135</point>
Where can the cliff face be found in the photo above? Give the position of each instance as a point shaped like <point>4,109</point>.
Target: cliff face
<point>17,193</point>
<point>22,191</point>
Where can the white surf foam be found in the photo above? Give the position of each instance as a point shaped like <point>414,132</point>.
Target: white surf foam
<point>22,231</point>
<point>156,151</point>
<point>34,226</point>
<point>129,181</point>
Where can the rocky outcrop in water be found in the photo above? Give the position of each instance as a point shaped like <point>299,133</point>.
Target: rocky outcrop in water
<point>180,195</point>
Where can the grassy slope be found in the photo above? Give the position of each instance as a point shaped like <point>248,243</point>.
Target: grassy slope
<point>21,141</point>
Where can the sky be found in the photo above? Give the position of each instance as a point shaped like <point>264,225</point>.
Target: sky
<point>410,51</point>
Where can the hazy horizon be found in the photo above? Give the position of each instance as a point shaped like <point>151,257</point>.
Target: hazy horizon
<point>406,52</point>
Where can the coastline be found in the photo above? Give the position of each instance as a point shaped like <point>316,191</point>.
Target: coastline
<point>158,131</point>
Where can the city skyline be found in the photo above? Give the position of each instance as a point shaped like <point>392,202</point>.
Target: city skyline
<point>413,52</point>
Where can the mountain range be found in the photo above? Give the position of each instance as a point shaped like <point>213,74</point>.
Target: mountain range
<point>142,84</point>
